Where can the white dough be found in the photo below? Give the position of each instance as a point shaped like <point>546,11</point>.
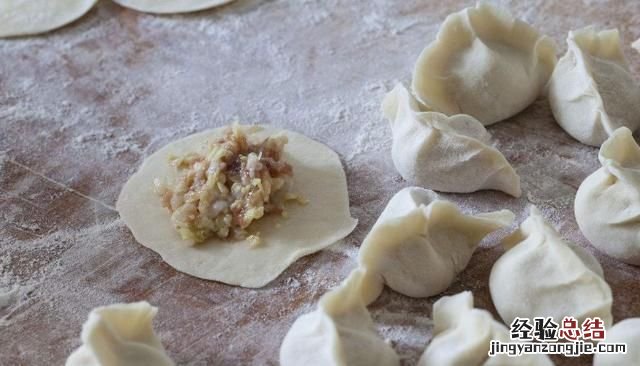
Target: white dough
<point>607,205</point>
<point>447,154</point>
<point>592,91</point>
<point>462,336</point>
<point>317,175</point>
<point>170,6</point>
<point>120,335</point>
<point>420,244</point>
<point>484,63</point>
<point>626,331</point>
<point>340,332</point>
<point>26,17</point>
<point>636,45</point>
<point>540,275</point>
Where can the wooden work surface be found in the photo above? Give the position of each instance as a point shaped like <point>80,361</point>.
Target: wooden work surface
<point>81,107</point>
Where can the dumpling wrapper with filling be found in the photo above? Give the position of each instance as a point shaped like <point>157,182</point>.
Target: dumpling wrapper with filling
<point>27,17</point>
<point>171,6</point>
<point>120,335</point>
<point>485,63</point>
<point>318,176</point>
<point>592,91</point>
<point>462,335</point>
<point>419,244</point>
<point>446,154</point>
<point>541,275</point>
<point>340,332</point>
<point>626,331</point>
<point>607,205</point>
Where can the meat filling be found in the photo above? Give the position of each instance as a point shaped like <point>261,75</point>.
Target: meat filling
<point>221,193</point>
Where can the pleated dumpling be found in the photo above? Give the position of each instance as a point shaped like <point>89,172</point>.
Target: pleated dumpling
<point>540,275</point>
<point>340,332</point>
<point>420,244</point>
<point>462,335</point>
<point>607,204</point>
<point>591,90</point>
<point>484,63</point>
<point>120,335</point>
<point>626,331</point>
<point>447,154</point>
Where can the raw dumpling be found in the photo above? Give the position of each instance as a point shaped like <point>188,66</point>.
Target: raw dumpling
<point>340,332</point>
<point>447,154</point>
<point>317,176</point>
<point>592,91</point>
<point>636,45</point>
<point>26,17</point>
<point>626,331</point>
<point>462,336</point>
<point>607,205</point>
<point>484,63</point>
<point>120,335</point>
<point>170,6</point>
<point>420,243</point>
<point>542,276</point>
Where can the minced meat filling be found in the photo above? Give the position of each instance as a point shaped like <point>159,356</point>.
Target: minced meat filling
<point>236,183</point>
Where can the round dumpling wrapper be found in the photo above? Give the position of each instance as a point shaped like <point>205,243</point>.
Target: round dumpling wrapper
<point>22,17</point>
<point>318,176</point>
<point>170,6</point>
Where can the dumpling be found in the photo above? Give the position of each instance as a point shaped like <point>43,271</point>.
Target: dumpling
<point>540,275</point>
<point>636,45</point>
<point>484,63</point>
<point>592,91</point>
<point>120,335</point>
<point>462,335</point>
<point>447,154</point>
<point>420,244</point>
<point>339,332</point>
<point>607,205</point>
<point>626,331</point>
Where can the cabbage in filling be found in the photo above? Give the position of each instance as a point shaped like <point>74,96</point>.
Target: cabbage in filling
<point>223,191</point>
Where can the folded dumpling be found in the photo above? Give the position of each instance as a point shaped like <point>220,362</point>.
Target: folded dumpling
<point>120,335</point>
<point>462,335</point>
<point>540,275</point>
<point>420,243</point>
<point>626,331</point>
<point>485,63</point>
<point>607,205</point>
<point>591,90</point>
<point>447,154</point>
<point>340,332</point>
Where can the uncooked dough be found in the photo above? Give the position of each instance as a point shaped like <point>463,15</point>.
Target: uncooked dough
<point>317,175</point>
<point>592,91</point>
<point>485,63</point>
<point>420,243</point>
<point>626,331</point>
<point>636,45</point>
<point>541,275</point>
<point>120,335</point>
<point>170,6</point>
<point>607,205</point>
<point>340,332</point>
<point>26,17</point>
<point>446,154</point>
<point>462,335</point>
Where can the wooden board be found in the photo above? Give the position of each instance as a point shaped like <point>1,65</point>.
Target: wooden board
<point>81,107</point>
